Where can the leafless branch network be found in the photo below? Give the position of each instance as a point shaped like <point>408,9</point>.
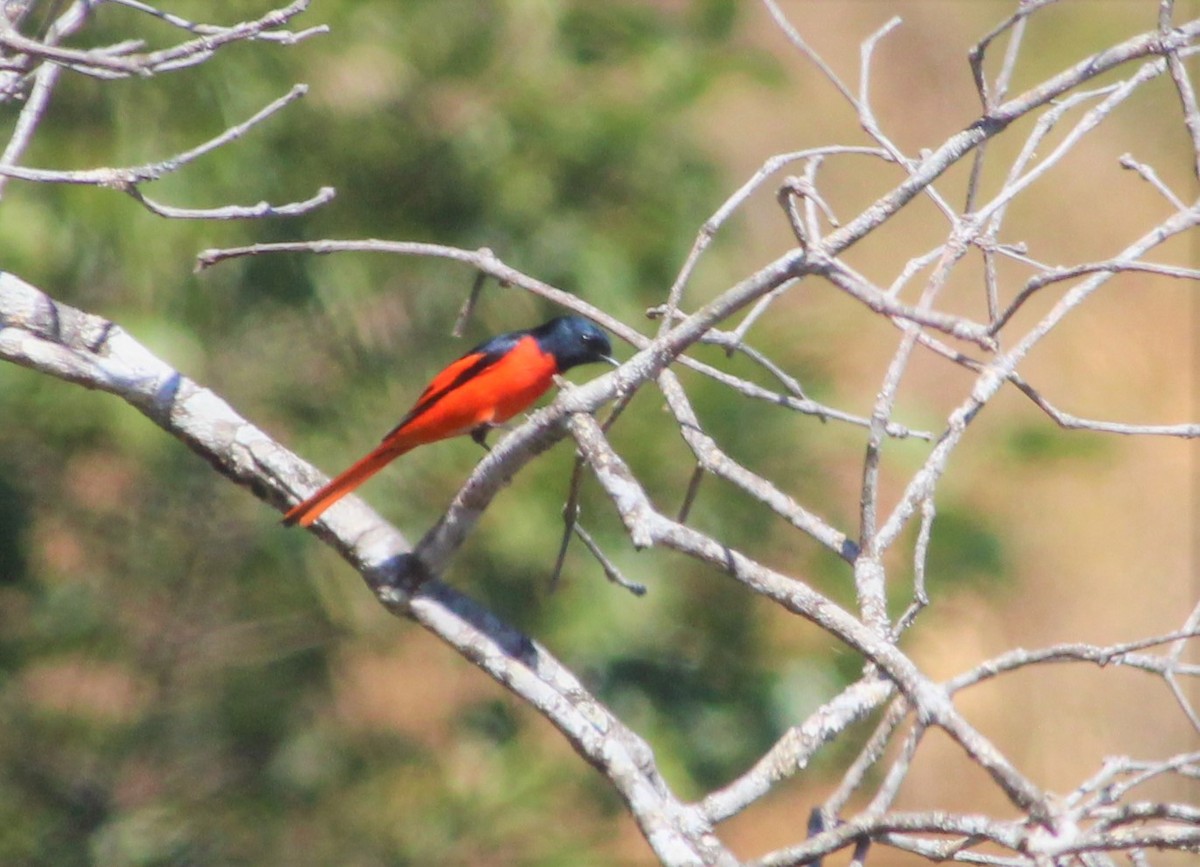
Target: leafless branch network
<point>30,68</point>
<point>1109,815</point>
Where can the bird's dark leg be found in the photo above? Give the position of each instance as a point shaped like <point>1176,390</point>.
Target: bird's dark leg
<point>480,433</point>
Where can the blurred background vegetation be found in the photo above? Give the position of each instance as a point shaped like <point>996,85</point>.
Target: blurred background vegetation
<point>182,681</point>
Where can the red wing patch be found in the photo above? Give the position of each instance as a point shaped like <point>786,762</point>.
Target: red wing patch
<point>453,376</point>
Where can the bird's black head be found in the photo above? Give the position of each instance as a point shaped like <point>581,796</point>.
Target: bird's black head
<point>573,340</point>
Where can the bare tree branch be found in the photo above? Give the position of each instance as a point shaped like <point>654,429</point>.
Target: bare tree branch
<point>128,180</point>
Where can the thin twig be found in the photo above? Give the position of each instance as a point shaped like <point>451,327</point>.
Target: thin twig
<point>920,558</point>
<point>122,177</point>
<point>468,305</point>
<point>1151,177</point>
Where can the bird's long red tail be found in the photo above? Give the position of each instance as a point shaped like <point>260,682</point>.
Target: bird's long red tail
<point>308,511</point>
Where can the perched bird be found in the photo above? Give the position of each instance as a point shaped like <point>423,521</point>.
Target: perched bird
<point>486,387</point>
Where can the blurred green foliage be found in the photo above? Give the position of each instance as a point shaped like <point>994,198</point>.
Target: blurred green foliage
<point>964,552</point>
<point>173,662</point>
<point>170,656</point>
<point>1042,444</point>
